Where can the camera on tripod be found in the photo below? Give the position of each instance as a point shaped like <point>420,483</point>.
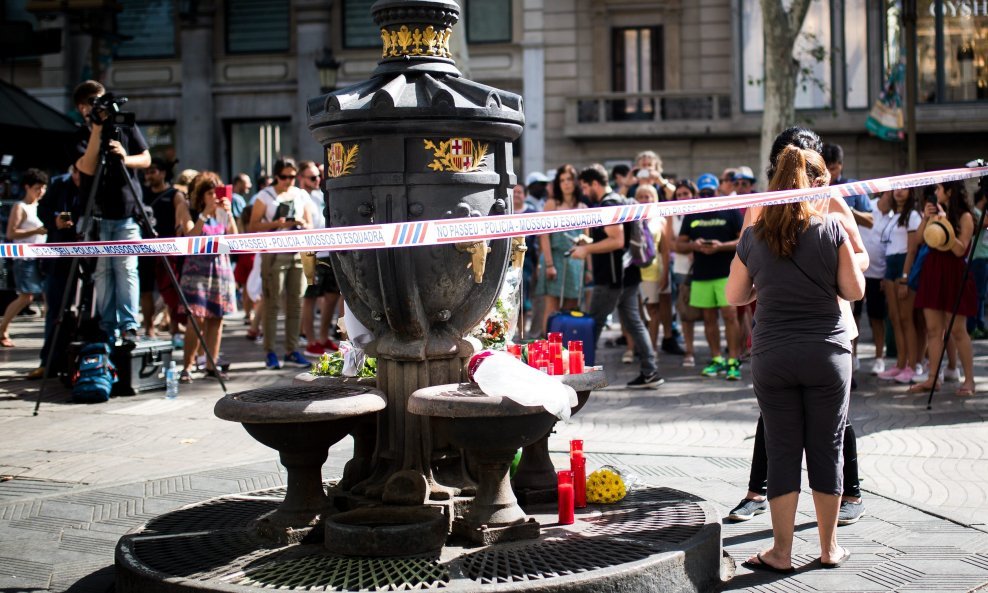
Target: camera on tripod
<point>106,109</point>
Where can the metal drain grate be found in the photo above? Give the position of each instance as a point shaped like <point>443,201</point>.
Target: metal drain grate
<point>550,559</point>
<point>202,557</point>
<point>337,573</point>
<point>224,514</point>
<point>296,394</point>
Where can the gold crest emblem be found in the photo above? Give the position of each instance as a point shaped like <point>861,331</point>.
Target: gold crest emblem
<point>341,160</point>
<point>459,155</point>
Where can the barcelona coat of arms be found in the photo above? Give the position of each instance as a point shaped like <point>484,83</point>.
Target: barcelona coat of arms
<point>457,154</point>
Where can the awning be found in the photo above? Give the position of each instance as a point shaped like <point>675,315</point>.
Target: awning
<point>36,134</point>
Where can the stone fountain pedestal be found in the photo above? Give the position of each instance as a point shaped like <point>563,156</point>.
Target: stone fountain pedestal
<point>656,539</point>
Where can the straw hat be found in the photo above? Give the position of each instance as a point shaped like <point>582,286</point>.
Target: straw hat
<point>939,233</point>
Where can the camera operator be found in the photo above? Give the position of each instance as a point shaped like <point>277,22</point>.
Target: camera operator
<point>118,201</point>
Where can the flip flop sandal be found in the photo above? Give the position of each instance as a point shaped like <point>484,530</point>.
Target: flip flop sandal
<point>845,556</point>
<point>964,391</point>
<point>185,377</point>
<point>765,566</point>
<point>6,342</point>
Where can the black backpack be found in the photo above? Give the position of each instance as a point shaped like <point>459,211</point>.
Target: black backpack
<point>639,245</point>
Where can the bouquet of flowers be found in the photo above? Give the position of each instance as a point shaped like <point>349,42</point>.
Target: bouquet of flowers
<point>331,365</point>
<point>607,485</point>
<point>493,330</point>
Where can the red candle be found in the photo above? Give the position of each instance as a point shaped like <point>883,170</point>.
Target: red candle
<point>515,350</point>
<point>555,337</point>
<point>578,465</point>
<point>575,362</point>
<point>576,345</point>
<point>566,501</point>
<point>576,445</point>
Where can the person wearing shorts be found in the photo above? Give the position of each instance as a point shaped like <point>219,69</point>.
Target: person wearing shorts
<point>712,237</point>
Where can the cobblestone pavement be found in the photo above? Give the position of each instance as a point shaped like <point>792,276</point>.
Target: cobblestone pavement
<point>84,475</point>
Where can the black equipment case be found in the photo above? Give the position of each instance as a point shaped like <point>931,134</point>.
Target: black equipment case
<point>143,368</point>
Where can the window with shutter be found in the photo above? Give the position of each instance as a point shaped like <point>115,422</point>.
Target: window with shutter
<point>359,30</point>
<point>258,26</point>
<point>150,27</point>
<point>488,21</point>
<point>638,67</point>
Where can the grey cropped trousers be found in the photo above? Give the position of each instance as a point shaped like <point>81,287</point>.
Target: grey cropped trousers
<point>803,391</point>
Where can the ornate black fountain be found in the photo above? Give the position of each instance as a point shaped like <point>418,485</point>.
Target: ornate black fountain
<point>426,502</point>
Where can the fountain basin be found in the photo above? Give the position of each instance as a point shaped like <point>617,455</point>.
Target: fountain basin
<point>490,429</point>
<point>301,423</point>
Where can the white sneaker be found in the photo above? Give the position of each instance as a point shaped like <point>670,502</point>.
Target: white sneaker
<point>878,366</point>
<point>855,364</point>
<point>921,374</point>
<point>628,357</point>
<point>951,375</point>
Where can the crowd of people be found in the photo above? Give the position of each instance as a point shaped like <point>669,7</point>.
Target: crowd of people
<point>910,288</point>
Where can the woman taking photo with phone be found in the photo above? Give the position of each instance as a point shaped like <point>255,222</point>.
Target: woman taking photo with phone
<point>901,241</point>
<point>941,281</point>
<point>207,280</point>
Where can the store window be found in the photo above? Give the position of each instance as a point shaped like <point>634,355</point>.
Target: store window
<point>148,27</point>
<point>488,21</point>
<point>638,68</point>
<point>952,49</point>
<point>256,145</point>
<point>813,50</point>
<point>258,26</point>
<point>359,29</point>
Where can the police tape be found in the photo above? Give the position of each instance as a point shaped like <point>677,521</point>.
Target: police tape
<point>465,230</point>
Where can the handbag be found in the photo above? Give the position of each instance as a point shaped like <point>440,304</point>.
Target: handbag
<point>685,311</point>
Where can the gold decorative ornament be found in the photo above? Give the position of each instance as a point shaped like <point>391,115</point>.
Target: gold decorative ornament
<point>340,159</point>
<point>416,42</point>
<point>459,155</point>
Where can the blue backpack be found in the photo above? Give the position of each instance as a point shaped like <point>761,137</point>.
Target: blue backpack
<point>95,375</point>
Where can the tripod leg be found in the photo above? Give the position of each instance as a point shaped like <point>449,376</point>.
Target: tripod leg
<point>57,330</point>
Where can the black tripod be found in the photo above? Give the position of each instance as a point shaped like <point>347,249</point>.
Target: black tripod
<point>983,184</point>
<point>111,132</point>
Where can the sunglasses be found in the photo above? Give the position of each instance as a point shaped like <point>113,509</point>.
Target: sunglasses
<point>706,193</point>
<point>286,177</point>
<point>313,178</point>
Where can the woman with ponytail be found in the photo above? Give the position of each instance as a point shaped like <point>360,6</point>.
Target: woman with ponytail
<point>799,261</point>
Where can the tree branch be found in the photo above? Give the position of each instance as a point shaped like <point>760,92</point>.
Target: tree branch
<point>797,15</point>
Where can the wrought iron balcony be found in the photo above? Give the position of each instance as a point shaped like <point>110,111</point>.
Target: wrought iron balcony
<point>654,113</point>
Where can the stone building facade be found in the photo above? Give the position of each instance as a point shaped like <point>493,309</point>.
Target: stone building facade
<point>223,84</point>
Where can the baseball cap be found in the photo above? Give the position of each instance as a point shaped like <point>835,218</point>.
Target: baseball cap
<point>744,173</point>
<point>707,181</point>
<point>536,177</point>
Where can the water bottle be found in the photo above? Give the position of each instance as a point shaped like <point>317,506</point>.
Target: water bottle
<point>171,381</point>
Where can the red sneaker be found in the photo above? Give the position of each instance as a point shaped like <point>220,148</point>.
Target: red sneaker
<point>314,350</point>
<point>330,346</point>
